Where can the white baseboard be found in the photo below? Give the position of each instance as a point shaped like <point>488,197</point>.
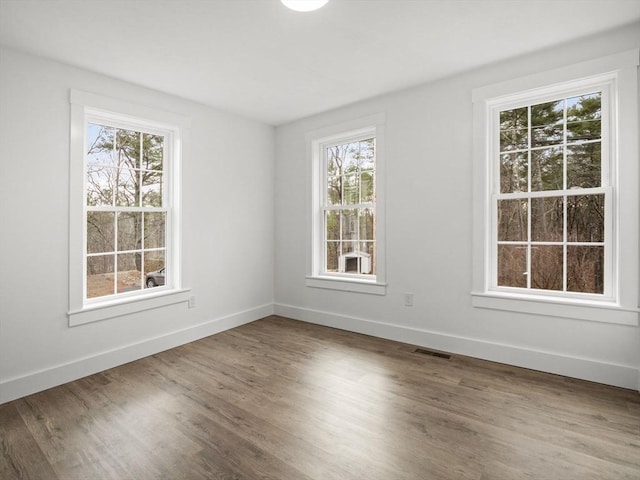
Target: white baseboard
<point>50,377</point>
<point>582,368</point>
<point>586,369</point>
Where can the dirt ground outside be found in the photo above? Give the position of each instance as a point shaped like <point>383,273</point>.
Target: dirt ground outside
<point>102,284</point>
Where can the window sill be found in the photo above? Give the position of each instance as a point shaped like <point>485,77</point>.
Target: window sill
<point>607,312</point>
<point>347,285</point>
<point>116,308</point>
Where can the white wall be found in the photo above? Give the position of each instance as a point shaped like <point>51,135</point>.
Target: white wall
<point>429,164</point>
<point>227,229</point>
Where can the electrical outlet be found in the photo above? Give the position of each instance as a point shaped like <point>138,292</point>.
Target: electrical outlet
<point>192,301</point>
<point>408,299</point>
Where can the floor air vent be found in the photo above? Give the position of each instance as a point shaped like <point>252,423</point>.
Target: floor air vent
<point>423,351</point>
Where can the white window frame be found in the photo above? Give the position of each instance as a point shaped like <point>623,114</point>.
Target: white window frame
<point>92,108</point>
<point>616,77</point>
<point>317,143</point>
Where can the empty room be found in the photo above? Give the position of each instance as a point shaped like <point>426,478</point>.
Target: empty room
<point>319,239</point>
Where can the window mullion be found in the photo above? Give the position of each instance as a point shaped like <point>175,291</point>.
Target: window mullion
<point>139,171</point>
<point>142,248</point>
<point>115,253</point>
<point>529,158</point>
<point>564,243</point>
<point>116,168</point>
<point>341,230</point>
<point>564,197</point>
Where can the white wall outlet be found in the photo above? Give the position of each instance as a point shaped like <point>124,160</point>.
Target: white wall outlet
<point>408,299</point>
<point>192,301</point>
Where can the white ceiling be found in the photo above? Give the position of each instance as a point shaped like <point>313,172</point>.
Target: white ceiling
<point>261,60</point>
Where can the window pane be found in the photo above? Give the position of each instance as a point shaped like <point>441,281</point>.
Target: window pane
<point>128,149</point>
<point>366,160</point>
<point>154,230</point>
<point>585,269</point>
<point>128,181</point>
<point>546,267</point>
<point>351,186</point>
<point>347,247</point>
<point>152,151</point>
<point>151,189</point>
<point>547,216</point>
<point>512,220</point>
<point>129,272</point>
<point>514,129</point>
<point>333,225</point>
<point>352,157</point>
<point>584,117</point>
<point>129,231</point>
<point>586,130</point>
<point>513,172</point>
<point>512,266</point>
<point>349,225</point>
<point>547,169</point>
<point>154,269</point>
<point>367,223</point>
<point>367,187</point>
<point>332,256</point>
<point>370,249</point>
<point>334,190</point>
<point>100,232</point>
<point>547,123</point>
<point>100,276</point>
<point>100,186</point>
<point>584,165</point>
<point>100,145</point>
<point>585,218</point>
<point>335,160</point>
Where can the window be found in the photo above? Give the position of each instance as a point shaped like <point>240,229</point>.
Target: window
<point>125,216</point>
<point>347,246</point>
<point>349,207</point>
<point>551,202</point>
<point>555,164</point>
<point>127,209</point>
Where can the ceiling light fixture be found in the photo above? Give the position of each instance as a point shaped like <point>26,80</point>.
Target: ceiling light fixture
<point>304,5</point>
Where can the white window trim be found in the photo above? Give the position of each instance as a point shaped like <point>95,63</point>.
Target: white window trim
<point>622,306</point>
<point>375,285</point>
<point>84,106</point>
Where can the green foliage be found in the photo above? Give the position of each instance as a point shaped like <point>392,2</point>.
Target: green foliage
<point>540,146</point>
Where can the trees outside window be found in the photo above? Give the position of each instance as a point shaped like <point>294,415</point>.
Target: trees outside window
<point>551,206</point>
<point>349,209</point>
<point>126,215</point>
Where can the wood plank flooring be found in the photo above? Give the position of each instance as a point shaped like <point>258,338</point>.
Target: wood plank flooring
<point>285,400</point>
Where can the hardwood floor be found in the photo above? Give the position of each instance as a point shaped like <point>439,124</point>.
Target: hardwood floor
<point>285,400</point>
